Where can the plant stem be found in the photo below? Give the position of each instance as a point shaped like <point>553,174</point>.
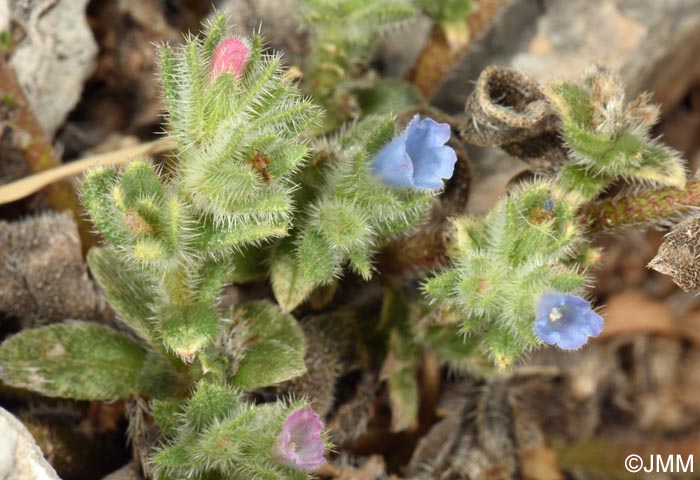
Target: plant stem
<point>438,57</point>
<point>640,209</point>
<point>427,248</point>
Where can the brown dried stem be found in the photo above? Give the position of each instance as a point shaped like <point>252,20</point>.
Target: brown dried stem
<point>36,149</point>
<point>679,255</point>
<point>21,188</point>
<point>427,248</point>
<point>438,57</point>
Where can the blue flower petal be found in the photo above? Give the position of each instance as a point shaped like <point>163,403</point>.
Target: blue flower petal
<point>573,340</point>
<point>433,166</point>
<point>546,302</point>
<point>418,157</point>
<point>426,134</point>
<point>433,134</point>
<point>566,320</point>
<point>392,165</point>
<point>595,324</point>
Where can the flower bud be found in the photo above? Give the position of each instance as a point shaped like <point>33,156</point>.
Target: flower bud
<point>230,56</point>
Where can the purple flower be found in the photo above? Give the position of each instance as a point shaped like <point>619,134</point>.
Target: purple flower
<point>299,444</point>
<point>566,320</point>
<point>416,158</point>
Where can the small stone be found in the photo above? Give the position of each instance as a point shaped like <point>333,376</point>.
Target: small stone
<point>55,57</point>
<point>20,457</point>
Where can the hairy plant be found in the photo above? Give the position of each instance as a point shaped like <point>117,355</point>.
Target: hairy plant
<point>516,275</point>
<point>253,192</point>
<point>215,434</point>
<point>503,262</point>
<point>172,239</point>
<point>238,144</point>
<point>609,138</point>
<point>343,36</point>
<point>214,214</point>
<point>369,191</point>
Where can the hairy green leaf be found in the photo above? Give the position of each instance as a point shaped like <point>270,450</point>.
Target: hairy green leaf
<point>276,350</point>
<point>128,291</point>
<point>79,360</point>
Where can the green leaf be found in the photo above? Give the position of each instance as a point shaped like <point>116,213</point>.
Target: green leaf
<point>217,438</point>
<point>174,456</point>
<point>573,102</point>
<point>505,347</point>
<point>469,234</point>
<point>277,349</point>
<point>167,415</point>
<point>286,158</point>
<point>381,131</point>
<point>215,34</point>
<point>662,166</point>
<point>451,346</point>
<point>78,360</point>
<point>318,263</point>
<point>210,402</point>
<point>222,443</point>
<point>187,329</point>
<point>587,185</point>
<point>151,252</point>
<point>389,95</point>
<point>215,239</point>
<point>139,181</point>
<point>361,263</point>
<point>248,264</point>
<point>404,398</point>
<point>169,80</point>
<point>343,224</point>
<point>268,363</point>
<point>288,285</point>
<point>443,11</point>
<point>443,285</point>
<point>208,279</point>
<point>98,195</point>
<point>128,292</point>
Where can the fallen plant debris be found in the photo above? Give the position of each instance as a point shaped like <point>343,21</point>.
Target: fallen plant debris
<point>45,276</point>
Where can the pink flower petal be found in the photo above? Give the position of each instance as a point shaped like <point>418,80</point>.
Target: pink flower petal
<point>300,444</point>
<point>230,56</point>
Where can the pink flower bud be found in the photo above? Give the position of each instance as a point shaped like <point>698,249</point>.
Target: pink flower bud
<point>230,56</point>
<point>299,444</point>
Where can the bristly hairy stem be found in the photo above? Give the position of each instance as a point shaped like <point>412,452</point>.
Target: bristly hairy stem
<point>645,208</point>
<point>342,37</point>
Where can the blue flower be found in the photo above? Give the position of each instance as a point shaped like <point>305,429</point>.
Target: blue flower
<point>416,158</point>
<point>566,320</point>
